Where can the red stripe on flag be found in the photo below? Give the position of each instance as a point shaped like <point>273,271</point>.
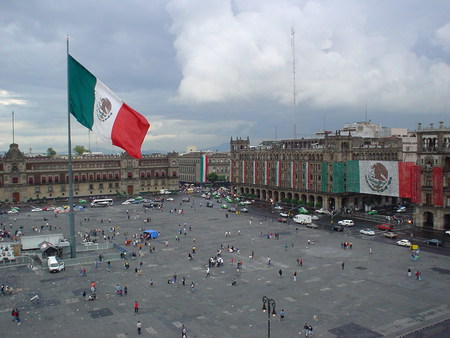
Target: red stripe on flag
<point>129,131</point>
<point>416,186</point>
<point>438,189</point>
<point>405,179</point>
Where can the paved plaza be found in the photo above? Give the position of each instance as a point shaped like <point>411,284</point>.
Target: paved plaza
<point>370,295</point>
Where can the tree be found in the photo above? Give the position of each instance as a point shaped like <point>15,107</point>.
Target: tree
<point>79,150</point>
<point>212,177</point>
<point>51,152</point>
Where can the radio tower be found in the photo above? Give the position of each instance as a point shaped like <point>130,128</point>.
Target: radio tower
<point>293,80</point>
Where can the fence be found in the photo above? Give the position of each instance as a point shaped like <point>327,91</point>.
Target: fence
<point>21,260</point>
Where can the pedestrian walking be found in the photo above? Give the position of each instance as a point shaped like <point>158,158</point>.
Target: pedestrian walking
<point>282,314</point>
<point>269,261</point>
<point>192,287</point>
<point>310,330</point>
<point>207,272</point>
<point>139,327</point>
<point>125,290</point>
<point>301,262</point>
<point>306,329</point>
<point>294,276</point>
<point>370,251</point>
<point>280,272</point>
<point>409,272</point>
<point>343,265</point>
<point>183,332</point>
<point>136,306</point>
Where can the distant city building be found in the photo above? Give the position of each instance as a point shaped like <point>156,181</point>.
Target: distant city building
<point>35,178</point>
<point>194,167</point>
<point>433,204</point>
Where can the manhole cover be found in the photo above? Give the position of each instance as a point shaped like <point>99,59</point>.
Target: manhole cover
<point>354,330</point>
<point>100,313</point>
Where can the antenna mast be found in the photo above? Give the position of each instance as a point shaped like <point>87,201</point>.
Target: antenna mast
<point>293,80</point>
<point>13,125</point>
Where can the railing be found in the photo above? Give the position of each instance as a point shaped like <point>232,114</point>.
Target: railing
<point>21,260</point>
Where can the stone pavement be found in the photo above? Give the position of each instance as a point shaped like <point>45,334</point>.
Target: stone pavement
<point>371,297</point>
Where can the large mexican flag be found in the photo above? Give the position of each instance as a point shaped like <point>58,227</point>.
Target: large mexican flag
<point>387,178</point>
<point>96,107</point>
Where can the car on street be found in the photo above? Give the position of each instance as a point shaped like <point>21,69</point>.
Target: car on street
<point>322,211</point>
<point>372,212</point>
<point>404,242</point>
<point>346,223</point>
<point>284,214</point>
<point>232,210</point>
<point>243,210</point>
<point>367,232</point>
<point>312,226</point>
<point>337,227</point>
<point>247,202</point>
<point>170,199</point>
<point>392,235</point>
<point>401,209</point>
<point>209,204</point>
<point>434,242</point>
<point>224,206</point>
<point>314,217</point>
<point>13,211</point>
<point>447,232</point>
<point>36,209</point>
<point>278,207</point>
<point>385,227</point>
<point>282,220</point>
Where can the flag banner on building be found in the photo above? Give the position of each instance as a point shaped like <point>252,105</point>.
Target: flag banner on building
<point>386,178</point>
<point>203,168</point>
<point>97,108</point>
<point>324,176</point>
<point>338,177</point>
<point>254,172</point>
<point>266,173</point>
<point>278,174</point>
<point>292,174</point>
<point>244,172</point>
<point>416,190</point>
<point>438,188</point>
<point>307,176</point>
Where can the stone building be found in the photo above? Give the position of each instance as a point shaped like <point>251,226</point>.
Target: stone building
<point>25,178</point>
<point>322,172</point>
<point>433,158</point>
<point>195,166</point>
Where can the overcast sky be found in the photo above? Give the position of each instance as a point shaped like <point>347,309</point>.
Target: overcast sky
<point>204,71</point>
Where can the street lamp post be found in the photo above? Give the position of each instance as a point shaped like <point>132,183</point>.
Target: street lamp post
<point>269,306</point>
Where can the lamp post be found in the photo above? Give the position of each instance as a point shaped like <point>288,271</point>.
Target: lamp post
<point>269,306</point>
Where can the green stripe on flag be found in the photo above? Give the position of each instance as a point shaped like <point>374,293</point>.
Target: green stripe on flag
<point>81,93</point>
<point>324,176</point>
<point>353,176</point>
<point>338,177</point>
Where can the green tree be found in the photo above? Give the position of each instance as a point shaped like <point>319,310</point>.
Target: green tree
<point>51,152</point>
<point>212,177</point>
<point>79,150</point>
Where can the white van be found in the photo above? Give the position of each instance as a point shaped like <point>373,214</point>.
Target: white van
<point>303,219</point>
<point>54,265</point>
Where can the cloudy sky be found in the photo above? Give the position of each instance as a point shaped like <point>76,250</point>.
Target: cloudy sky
<point>202,71</point>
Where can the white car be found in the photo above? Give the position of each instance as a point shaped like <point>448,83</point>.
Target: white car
<point>247,202</point>
<point>322,211</point>
<point>126,203</point>
<point>367,232</point>
<point>404,242</point>
<point>13,211</point>
<point>314,217</point>
<point>278,207</point>
<point>401,209</point>
<point>447,232</point>
<point>283,214</point>
<point>170,199</point>
<point>346,223</point>
<point>36,209</point>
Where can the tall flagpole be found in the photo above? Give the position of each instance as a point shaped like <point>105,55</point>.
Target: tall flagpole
<point>73,245</point>
<point>13,125</point>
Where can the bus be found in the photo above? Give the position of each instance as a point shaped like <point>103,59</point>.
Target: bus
<point>102,202</point>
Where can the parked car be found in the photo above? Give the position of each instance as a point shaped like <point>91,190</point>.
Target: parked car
<point>283,214</point>
<point>170,199</point>
<point>401,209</point>
<point>447,232</point>
<point>36,209</point>
<point>312,226</point>
<point>372,212</point>
<point>209,204</point>
<point>314,217</point>
<point>224,206</point>
<point>322,211</point>
<point>232,210</point>
<point>278,207</point>
<point>367,232</point>
<point>185,199</point>
<point>243,210</point>
<point>434,242</point>
<point>404,242</point>
<point>247,202</point>
<point>385,227</point>
<point>346,223</point>
<point>390,235</point>
<point>337,227</point>
<point>282,220</point>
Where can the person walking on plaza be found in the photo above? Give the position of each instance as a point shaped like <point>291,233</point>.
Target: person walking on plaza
<point>343,265</point>
<point>306,329</point>
<point>183,332</point>
<point>294,276</point>
<point>139,327</point>
<point>280,272</point>
<point>282,314</point>
<point>136,306</point>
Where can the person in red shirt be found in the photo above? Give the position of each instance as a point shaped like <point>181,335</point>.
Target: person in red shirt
<point>136,306</point>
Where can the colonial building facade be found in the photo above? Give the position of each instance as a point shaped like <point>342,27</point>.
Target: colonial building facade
<point>433,157</point>
<point>25,178</point>
<point>195,166</point>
